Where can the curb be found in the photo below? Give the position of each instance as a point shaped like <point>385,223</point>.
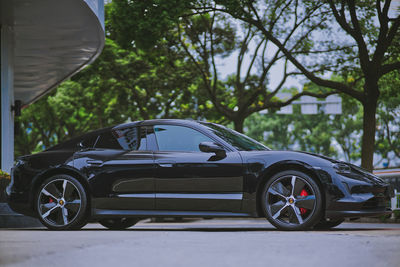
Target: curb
<point>11,219</point>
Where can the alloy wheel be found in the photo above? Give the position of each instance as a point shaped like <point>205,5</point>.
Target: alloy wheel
<point>59,202</point>
<point>292,201</point>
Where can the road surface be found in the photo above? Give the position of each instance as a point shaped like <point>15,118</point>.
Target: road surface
<point>203,243</point>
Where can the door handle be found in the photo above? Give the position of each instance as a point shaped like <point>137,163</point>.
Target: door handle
<point>94,163</point>
<point>165,165</point>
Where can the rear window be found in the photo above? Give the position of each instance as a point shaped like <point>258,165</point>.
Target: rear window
<point>130,138</point>
<point>106,140</point>
<point>89,141</point>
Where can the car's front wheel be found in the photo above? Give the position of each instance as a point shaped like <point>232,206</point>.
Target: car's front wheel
<point>61,203</point>
<point>118,223</point>
<point>292,201</point>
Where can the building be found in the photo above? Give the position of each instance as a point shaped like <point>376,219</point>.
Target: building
<point>43,42</point>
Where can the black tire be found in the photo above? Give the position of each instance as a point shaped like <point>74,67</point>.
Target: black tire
<point>119,223</point>
<point>289,207</point>
<point>61,203</point>
<point>325,225</point>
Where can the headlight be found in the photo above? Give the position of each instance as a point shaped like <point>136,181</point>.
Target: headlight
<point>371,176</point>
<point>19,162</point>
<point>341,168</point>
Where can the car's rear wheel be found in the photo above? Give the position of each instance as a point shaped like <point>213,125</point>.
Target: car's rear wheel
<point>118,223</point>
<point>325,225</point>
<point>292,200</point>
<point>61,203</point>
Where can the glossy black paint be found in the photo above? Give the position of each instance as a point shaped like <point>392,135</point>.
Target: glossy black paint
<point>181,175</point>
<point>113,174</point>
<point>149,183</point>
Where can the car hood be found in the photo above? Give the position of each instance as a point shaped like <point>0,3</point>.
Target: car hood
<point>271,156</point>
<point>321,156</point>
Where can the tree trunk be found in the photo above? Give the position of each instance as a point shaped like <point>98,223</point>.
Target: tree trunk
<point>369,126</point>
<point>238,122</point>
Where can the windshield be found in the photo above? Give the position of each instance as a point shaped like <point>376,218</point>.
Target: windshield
<point>237,140</point>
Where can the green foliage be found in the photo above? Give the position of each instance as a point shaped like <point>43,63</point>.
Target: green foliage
<point>347,128</point>
<point>305,32</point>
<point>159,61</point>
<point>337,136</point>
<point>4,175</point>
<point>271,129</point>
<point>331,135</point>
<point>207,35</point>
<point>122,85</point>
<point>388,122</point>
<point>311,133</point>
<point>144,21</point>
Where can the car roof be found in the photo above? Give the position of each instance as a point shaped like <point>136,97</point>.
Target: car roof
<point>158,121</point>
<point>73,141</point>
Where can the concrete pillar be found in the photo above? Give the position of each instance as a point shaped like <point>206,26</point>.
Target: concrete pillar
<point>7,98</point>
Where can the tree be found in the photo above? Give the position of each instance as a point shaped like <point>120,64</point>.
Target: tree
<point>120,86</point>
<point>388,126</point>
<point>366,32</point>
<point>371,44</point>
<point>274,130</point>
<point>347,128</point>
<point>212,36</point>
<point>318,133</point>
<point>30,133</point>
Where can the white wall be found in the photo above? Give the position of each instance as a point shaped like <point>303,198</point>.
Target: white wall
<point>7,99</point>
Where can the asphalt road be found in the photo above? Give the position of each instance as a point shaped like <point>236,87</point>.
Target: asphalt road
<point>203,243</point>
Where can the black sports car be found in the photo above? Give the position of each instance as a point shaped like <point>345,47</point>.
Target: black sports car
<point>179,168</point>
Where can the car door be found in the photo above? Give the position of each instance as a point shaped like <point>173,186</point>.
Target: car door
<point>191,180</point>
<point>120,169</point>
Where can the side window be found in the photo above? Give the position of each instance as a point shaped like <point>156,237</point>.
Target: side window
<point>178,138</point>
<point>89,142</point>
<point>107,140</point>
<point>130,138</point>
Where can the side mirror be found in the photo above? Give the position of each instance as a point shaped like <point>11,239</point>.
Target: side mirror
<point>212,147</point>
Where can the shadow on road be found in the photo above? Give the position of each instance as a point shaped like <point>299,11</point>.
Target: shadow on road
<point>208,229</point>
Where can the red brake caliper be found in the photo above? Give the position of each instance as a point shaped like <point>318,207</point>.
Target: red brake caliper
<point>303,193</point>
<point>50,200</point>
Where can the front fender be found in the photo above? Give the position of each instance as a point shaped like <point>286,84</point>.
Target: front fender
<point>62,169</point>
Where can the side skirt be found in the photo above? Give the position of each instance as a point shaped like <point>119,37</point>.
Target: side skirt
<point>106,213</point>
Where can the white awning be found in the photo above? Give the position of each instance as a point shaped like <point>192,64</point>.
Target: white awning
<point>52,41</point>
